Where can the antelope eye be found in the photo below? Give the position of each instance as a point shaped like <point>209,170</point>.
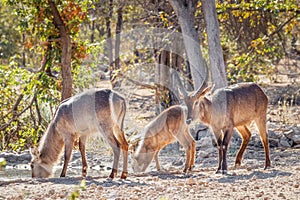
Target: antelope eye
<point>196,103</point>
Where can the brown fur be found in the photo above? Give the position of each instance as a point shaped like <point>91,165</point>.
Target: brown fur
<point>234,106</point>
<point>85,114</point>
<point>165,129</point>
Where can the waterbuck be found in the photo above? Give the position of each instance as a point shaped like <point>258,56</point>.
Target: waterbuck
<point>93,111</point>
<point>233,106</point>
<point>165,129</point>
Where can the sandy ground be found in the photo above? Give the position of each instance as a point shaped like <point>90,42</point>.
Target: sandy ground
<point>251,181</point>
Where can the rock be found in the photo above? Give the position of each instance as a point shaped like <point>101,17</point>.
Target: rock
<point>297,146</point>
<point>24,157</point>
<point>273,134</point>
<point>173,146</point>
<point>204,143</point>
<point>203,154</point>
<point>281,195</point>
<point>25,162</point>
<point>296,139</point>
<point>272,125</point>
<point>293,135</point>
<point>284,142</point>
<point>199,131</point>
<point>76,155</point>
<point>258,144</point>
<point>51,192</point>
<point>273,142</point>
<point>177,162</point>
<point>260,194</point>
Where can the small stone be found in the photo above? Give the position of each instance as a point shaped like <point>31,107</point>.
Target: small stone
<point>203,154</point>
<point>190,181</point>
<point>180,184</point>
<point>99,188</point>
<point>297,146</point>
<point>273,142</point>
<point>51,192</point>
<point>260,194</point>
<point>284,142</point>
<point>281,195</point>
<point>296,139</point>
<point>249,169</point>
<point>177,162</point>
<point>63,194</point>
<point>254,178</point>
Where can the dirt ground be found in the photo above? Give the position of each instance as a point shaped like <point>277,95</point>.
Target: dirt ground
<point>251,181</point>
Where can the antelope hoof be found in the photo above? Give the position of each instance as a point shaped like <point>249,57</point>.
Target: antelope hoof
<point>113,173</point>
<point>191,167</point>
<point>224,172</point>
<point>267,167</point>
<point>124,175</point>
<point>84,171</point>
<point>218,171</point>
<point>237,165</point>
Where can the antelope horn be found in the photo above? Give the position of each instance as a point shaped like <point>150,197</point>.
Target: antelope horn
<point>199,90</point>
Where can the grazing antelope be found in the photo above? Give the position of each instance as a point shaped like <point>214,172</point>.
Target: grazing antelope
<point>231,107</point>
<point>165,129</point>
<point>93,111</point>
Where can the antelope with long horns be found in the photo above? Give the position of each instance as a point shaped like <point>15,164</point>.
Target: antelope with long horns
<point>235,106</point>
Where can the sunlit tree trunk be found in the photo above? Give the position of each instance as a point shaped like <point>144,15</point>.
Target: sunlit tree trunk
<point>115,81</point>
<point>185,11</point>
<point>118,36</point>
<point>216,58</point>
<point>109,45</point>
<point>67,80</point>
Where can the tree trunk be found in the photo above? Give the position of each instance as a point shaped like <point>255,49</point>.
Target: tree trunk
<point>118,37</point>
<point>164,68</point>
<point>93,32</point>
<point>185,10</point>
<point>216,59</point>
<point>114,79</point>
<point>163,95</point>
<point>66,52</point>
<point>109,45</point>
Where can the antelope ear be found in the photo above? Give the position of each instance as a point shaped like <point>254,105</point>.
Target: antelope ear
<point>34,152</point>
<point>205,91</point>
<point>132,146</point>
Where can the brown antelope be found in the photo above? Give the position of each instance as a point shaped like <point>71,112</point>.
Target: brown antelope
<point>165,129</point>
<point>233,106</point>
<point>93,111</point>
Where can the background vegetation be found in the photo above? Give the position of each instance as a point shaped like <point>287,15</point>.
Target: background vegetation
<point>255,36</point>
